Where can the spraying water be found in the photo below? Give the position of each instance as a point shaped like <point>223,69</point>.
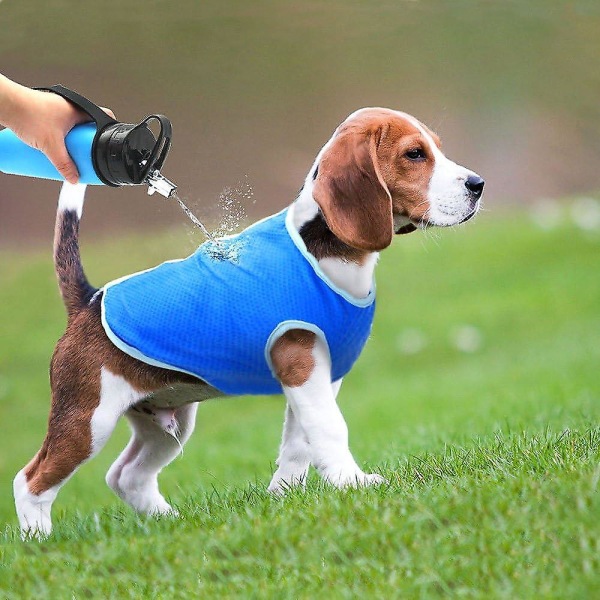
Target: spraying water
<point>233,215</point>
<point>231,208</point>
<point>193,218</point>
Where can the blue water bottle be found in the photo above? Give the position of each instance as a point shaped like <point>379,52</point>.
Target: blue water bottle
<point>105,151</point>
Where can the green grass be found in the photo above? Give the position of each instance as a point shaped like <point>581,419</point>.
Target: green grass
<point>492,455</point>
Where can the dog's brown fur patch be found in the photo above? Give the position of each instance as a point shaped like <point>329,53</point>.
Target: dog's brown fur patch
<point>292,357</point>
<point>75,373</point>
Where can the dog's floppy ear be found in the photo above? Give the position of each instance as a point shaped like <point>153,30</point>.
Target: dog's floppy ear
<point>351,192</point>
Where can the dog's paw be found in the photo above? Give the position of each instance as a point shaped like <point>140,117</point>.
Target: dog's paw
<point>372,479</point>
<point>354,478</point>
<point>164,509</point>
<point>278,489</point>
<point>282,483</point>
<point>36,534</point>
<point>33,510</point>
<point>154,505</point>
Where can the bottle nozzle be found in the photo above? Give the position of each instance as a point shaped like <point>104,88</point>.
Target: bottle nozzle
<point>159,183</point>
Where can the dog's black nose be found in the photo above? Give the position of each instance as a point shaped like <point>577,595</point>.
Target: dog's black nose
<point>475,184</point>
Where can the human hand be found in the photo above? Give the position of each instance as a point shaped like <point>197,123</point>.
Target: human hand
<point>42,120</point>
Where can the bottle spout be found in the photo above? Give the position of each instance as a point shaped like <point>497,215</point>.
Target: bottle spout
<point>159,183</point>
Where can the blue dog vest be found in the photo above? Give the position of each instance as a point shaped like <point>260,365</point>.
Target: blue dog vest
<point>217,313</point>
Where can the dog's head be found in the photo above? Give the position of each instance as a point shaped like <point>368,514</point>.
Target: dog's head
<point>383,172</point>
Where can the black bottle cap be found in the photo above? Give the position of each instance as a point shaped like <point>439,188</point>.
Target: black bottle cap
<point>122,153</point>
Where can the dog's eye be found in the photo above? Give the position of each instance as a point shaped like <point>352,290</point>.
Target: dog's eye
<point>415,154</point>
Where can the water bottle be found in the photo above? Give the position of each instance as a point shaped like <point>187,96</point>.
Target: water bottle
<point>106,151</point>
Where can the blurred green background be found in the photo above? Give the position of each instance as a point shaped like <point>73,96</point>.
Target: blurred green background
<point>255,88</point>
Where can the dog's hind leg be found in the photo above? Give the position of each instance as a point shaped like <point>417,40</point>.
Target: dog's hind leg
<point>82,417</point>
<point>158,436</point>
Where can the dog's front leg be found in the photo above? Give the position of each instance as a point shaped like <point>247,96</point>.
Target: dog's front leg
<point>294,453</point>
<point>302,363</point>
<point>294,456</point>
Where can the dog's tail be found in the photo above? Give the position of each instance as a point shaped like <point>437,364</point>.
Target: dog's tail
<point>74,287</point>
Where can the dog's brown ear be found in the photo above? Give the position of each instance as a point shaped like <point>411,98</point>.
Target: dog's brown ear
<point>351,192</point>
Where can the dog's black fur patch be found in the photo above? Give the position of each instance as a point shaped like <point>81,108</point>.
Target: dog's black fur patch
<point>73,283</point>
<point>321,242</point>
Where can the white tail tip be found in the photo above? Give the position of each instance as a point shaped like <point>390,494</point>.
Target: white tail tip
<point>71,197</point>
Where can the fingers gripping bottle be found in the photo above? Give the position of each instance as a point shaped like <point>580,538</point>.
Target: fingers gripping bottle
<point>106,151</point>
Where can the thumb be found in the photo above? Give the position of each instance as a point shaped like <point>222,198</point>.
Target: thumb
<point>60,158</point>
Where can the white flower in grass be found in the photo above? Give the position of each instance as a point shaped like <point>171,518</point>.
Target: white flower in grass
<point>585,213</point>
<point>411,341</point>
<point>466,338</point>
<point>546,214</point>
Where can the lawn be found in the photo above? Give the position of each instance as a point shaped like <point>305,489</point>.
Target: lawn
<point>478,398</point>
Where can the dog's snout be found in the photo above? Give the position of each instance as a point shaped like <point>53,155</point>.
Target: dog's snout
<point>475,184</point>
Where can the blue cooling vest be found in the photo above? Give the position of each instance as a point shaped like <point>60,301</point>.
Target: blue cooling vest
<point>217,313</point>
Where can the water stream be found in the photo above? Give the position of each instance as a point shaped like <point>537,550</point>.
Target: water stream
<point>216,247</point>
<point>194,219</point>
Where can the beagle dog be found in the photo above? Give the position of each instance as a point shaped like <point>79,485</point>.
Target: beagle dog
<point>285,306</point>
